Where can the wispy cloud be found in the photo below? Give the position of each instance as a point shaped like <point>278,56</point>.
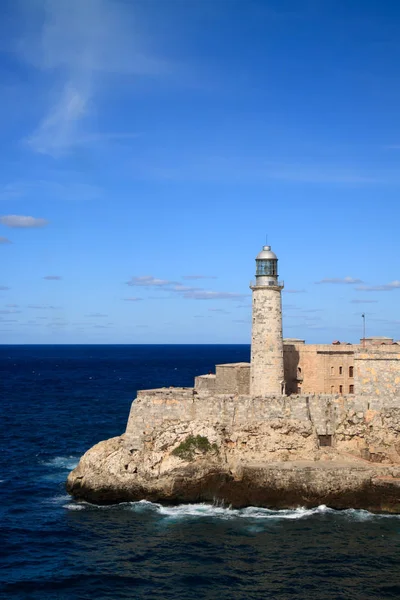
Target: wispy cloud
<point>185,291</point>
<point>3,288</point>
<point>150,281</point>
<point>343,280</point>
<point>54,190</point>
<point>387,287</point>
<point>134,299</point>
<point>199,277</point>
<point>20,221</point>
<point>211,295</point>
<point>292,291</point>
<point>52,277</point>
<point>259,169</point>
<point>4,240</point>
<point>9,312</point>
<point>43,307</point>
<point>79,44</point>
<point>96,315</point>
<point>362,301</point>
<point>222,311</point>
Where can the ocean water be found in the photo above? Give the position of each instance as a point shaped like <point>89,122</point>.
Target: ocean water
<point>56,402</point>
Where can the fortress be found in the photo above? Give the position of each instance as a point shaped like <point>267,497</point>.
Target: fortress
<point>298,425</point>
<point>286,378</point>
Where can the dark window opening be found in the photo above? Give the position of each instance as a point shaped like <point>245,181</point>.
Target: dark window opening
<point>340,370</point>
<point>340,389</point>
<point>351,389</point>
<point>351,371</point>
<point>324,440</point>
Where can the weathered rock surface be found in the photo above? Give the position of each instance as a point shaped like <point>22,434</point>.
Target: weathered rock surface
<point>276,465</point>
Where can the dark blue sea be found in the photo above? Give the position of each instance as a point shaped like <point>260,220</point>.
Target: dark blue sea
<point>56,402</point>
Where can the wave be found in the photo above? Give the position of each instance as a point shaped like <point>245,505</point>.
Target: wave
<point>67,463</point>
<point>218,511</point>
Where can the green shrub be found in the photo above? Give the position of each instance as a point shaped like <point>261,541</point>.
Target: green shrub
<point>192,444</point>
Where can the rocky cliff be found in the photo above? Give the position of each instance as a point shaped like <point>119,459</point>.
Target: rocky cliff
<point>272,463</point>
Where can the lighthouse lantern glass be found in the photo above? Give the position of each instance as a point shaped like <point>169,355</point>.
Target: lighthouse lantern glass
<point>266,268</point>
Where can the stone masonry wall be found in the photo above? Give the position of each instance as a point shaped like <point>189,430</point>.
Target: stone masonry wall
<point>377,374</point>
<point>266,374</point>
<point>157,409</point>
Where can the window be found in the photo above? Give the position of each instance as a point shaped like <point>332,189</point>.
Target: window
<point>351,371</point>
<point>332,389</point>
<point>340,370</point>
<point>267,267</point>
<point>340,389</point>
<point>351,389</point>
<point>332,370</point>
<point>325,440</point>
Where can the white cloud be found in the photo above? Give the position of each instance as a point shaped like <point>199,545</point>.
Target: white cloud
<point>52,277</point>
<point>292,291</point>
<point>344,280</point>
<point>150,281</point>
<point>387,287</point>
<point>362,301</point>
<point>22,221</point>
<point>77,44</point>
<point>96,315</point>
<point>189,292</point>
<point>134,299</point>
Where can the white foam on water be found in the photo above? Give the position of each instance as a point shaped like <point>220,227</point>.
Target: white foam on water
<point>72,506</point>
<point>254,515</point>
<point>59,499</point>
<point>182,511</point>
<point>63,462</point>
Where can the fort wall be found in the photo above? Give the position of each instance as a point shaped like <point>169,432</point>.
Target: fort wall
<point>154,410</point>
<point>378,373</point>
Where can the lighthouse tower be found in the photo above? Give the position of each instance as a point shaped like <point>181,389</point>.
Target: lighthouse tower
<point>266,370</point>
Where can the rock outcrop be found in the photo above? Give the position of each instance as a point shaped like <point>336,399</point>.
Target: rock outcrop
<point>275,464</point>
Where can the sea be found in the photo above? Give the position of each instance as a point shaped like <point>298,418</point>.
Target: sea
<point>56,402</point>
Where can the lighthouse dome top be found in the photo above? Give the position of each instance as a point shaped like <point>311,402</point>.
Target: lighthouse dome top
<point>266,254</point>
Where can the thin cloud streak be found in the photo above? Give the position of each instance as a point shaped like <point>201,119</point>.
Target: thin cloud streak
<point>338,280</point>
<point>22,222</point>
<point>80,44</point>
<point>187,292</point>
<point>52,277</point>
<point>387,287</point>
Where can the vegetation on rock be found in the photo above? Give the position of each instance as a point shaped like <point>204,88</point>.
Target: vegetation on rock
<point>192,445</point>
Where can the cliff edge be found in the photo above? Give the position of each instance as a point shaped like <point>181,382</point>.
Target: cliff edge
<point>275,462</point>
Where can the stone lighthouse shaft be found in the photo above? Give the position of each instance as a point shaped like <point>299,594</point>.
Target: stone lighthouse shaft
<point>266,371</point>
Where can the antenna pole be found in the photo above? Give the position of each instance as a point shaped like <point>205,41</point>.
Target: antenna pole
<point>363,317</point>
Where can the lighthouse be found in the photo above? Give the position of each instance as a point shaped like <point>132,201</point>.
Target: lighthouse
<point>266,370</point>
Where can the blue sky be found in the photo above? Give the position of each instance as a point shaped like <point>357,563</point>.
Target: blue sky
<point>148,147</point>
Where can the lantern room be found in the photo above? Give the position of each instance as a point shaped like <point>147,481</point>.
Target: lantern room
<point>266,266</point>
